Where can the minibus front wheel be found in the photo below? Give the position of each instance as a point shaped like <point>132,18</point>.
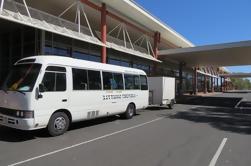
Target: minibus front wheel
<point>58,124</point>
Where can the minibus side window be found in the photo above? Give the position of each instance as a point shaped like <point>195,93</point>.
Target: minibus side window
<point>143,82</point>
<point>54,79</point>
<point>94,80</point>
<point>80,79</point>
<point>132,81</point>
<point>119,81</point>
<point>136,82</point>
<point>112,81</point>
<point>108,81</point>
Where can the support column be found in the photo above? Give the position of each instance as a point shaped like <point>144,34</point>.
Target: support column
<point>156,44</point>
<point>103,33</point>
<point>195,81</point>
<point>180,88</point>
<point>205,84</point>
<point>212,84</point>
<point>222,86</point>
<point>156,50</point>
<point>1,62</point>
<point>1,6</point>
<point>217,84</point>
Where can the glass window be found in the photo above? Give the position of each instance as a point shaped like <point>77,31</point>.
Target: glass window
<point>114,62</point>
<point>57,50</point>
<point>108,81</point>
<point>112,81</point>
<point>53,81</point>
<point>80,79</point>
<point>143,67</point>
<point>60,82</point>
<point>22,77</point>
<point>49,81</point>
<point>132,82</point>
<point>94,80</point>
<point>85,56</point>
<point>80,55</point>
<point>61,51</point>
<point>136,82</point>
<point>128,81</point>
<point>48,50</point>
<point>118,62</point>
<point>118,79</point>
<point>125,64</point>
<point>94,58</point>
<point>143,82</point>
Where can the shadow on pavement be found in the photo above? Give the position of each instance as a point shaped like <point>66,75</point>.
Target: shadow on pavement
<point>13,135</point>
<point>93,122</point>
<point>238,91</point>
<point>156,108</point>
<point>232,120</point>
<point>244,104</point>
<point>209,101</point>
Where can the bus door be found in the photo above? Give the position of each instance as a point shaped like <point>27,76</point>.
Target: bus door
<point>113,88</point>
<point>53,91</point>
<point>86,97</point>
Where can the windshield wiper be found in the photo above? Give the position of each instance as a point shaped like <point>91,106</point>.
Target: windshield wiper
<point>20,92</point>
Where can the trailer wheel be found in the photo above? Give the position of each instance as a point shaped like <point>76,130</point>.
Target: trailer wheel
<point>130,112</point>
<point>58,124</point>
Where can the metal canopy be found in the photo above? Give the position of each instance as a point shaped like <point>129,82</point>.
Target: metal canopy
<point>54,22</point>
<point>229,54</point>
<point>135,12</point>
<point>20,13</point>
<point>236,75</point>
<point>131,51</point>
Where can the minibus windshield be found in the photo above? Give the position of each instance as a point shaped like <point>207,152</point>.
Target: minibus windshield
<point>22,77</point>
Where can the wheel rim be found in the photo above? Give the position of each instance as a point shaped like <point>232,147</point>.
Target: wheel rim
<point>131,110</point>
<point>60,123</point>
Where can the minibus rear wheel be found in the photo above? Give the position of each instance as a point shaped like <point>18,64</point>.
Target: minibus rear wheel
<point>130,112</point>
<point>58,124</point>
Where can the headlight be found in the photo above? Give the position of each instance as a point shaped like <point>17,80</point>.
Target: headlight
<point>25,114</point>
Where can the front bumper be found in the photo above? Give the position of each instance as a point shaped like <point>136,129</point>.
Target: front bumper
<point>17,123</point>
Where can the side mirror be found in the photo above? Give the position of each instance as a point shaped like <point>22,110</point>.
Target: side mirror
<point>41,88</point>
<point>38,94</point>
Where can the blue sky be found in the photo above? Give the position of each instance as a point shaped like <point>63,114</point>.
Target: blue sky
<point>206,21</point>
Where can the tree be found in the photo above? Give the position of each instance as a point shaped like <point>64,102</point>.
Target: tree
<point>241,84</point>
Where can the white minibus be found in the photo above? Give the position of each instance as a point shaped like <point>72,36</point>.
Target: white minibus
<point>52,92</point>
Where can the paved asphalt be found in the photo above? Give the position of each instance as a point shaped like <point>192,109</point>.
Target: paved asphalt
<point>188,135</point>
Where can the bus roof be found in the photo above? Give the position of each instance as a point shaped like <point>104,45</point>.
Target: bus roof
<point>68,61</point>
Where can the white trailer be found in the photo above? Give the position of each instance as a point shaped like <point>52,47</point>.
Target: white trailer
<point>162,91</point>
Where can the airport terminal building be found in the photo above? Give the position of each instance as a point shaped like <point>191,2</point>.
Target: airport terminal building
<point>117,32</point>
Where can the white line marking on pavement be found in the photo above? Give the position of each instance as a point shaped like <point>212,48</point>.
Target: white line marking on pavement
<point>217,154</point>
<point>83,143</point>
<point>237,105</point>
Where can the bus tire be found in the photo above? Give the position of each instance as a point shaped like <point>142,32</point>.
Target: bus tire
<point>58,124</point>
<point>130,112</point>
